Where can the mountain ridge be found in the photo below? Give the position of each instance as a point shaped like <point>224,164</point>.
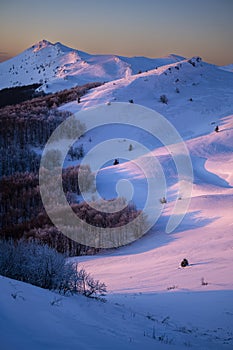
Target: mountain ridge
<point>58,67</point>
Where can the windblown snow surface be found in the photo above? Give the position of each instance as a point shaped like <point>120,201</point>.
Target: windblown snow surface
<point>152,303</point>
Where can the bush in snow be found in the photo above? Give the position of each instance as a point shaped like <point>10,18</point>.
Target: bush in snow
<point>194,60</point>
<point>32,263</point>
<point>88,286</point>
<point>44,267</point>
<point>203,282</point>
<point>184,262</point>
<point>163,200</point>
<point>163,99</point>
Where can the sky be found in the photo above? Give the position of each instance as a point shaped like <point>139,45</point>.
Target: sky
<point>151,28</point>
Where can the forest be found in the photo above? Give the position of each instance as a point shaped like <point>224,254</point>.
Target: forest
<point>24,130</point>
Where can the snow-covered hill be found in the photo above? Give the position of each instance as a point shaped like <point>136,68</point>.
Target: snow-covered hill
<point>205,233</point>
<point>198,93</point>
<point>152,302</point>
<point>59,67</point>
<point>145,275</point>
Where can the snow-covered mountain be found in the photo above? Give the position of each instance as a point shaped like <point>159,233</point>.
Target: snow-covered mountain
<point>60,67</point>
<point>152,302</point>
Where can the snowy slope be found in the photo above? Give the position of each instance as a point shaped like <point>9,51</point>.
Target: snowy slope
<point>146,274</point>
<point>59,67</point>
<point>33,318</point>
<point>228,68</point>
<point>152,302</point>
<point>208,87</point>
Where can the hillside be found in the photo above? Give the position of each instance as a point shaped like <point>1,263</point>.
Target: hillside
<point>59,67</point>
<point>41,319</point>
<point>146,274</point>
<point>203,234</point>
<point>198,95</point>
<point>152,302</point>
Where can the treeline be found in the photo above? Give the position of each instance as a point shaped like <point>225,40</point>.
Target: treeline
<point>24,130</point>
<point>20,200</point>
<point>26,126</point>
<point>19,94</point>
<point>22,214</point>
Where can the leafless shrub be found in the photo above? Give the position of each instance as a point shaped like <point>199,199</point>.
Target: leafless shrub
<point>203,282</point>
<point>163,200</point>
<point>44,267</point>
<point>163,99</point>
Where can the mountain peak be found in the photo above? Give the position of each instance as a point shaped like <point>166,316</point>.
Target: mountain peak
<point>59,67</point>
<point>41,45</point>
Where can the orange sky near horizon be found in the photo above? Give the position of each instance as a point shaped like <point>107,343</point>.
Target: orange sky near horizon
<point>124,27</point>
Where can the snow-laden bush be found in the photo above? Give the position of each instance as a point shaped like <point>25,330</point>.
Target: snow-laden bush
<point>44,267</point>
<point>163,99</point>
<point>31,262</point>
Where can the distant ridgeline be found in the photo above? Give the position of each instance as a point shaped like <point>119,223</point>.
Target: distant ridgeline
<point>24,131</point>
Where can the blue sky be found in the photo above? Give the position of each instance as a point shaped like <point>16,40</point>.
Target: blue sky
<point>126,27</point>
